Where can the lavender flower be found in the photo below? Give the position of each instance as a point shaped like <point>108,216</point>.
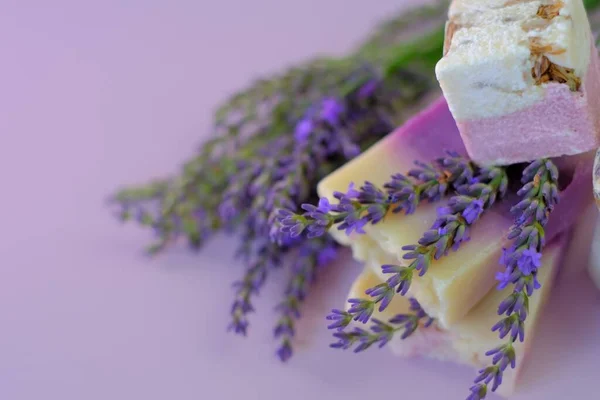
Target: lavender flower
<point>478,392</point>
<point>529,261</point>
<point>332,110</point>
<point>473,210</point>
<point>369,204</point>
<point>303,130</point>
<point>251,284</point>
<point>521,262</point>
<point>490,374</point>
<point>379,333</point>
<point>285,351</point>
<point>340,318</point>
<point>368,89</point>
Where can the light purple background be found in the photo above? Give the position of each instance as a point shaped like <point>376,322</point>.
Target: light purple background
<point>96,94</point>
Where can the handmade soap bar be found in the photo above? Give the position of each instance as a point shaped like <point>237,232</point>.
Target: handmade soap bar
<point>467,341</point>
<point>453,284</point>
<point>521,79</point>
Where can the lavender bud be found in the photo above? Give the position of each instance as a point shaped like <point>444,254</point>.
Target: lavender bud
<point>478,392</point>
<point>531,170</point>
<point>285,351</point>
<point>361,309</point>
<point>341,319</point>
<point>399,319</point>
<point>429,237</point>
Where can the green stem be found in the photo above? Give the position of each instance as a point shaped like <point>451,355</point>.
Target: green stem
<point>425,50</point>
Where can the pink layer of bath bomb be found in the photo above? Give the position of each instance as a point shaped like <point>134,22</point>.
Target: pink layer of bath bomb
<point>563,123</point>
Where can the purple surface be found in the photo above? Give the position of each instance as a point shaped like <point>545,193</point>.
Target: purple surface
<point>113,92</point>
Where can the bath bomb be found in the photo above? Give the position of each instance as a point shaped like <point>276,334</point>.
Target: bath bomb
<point>521,79</point>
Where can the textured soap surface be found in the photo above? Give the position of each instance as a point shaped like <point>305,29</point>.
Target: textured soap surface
<point>467,341</point>
<point>486,70</point>
<point>503,74</point>
<point>470,271</point>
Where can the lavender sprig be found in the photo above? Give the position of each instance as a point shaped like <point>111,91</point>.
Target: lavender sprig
<point>254,278</point>
<point>448,232</point>
<point>312,255</point>
<point>521,260</point>
<point>369,204</point>
<point>380,332</point>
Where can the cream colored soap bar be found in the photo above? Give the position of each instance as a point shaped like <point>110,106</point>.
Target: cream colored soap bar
<point>467,341</point>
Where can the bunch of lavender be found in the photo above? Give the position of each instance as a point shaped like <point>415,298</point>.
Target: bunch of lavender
<point>521,261</point>
<point>448,232</point>
<point>271,144</point>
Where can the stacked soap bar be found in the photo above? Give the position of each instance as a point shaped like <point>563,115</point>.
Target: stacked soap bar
<point>521,79</point>
<point>467,341</point>
<point>455,283</point>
